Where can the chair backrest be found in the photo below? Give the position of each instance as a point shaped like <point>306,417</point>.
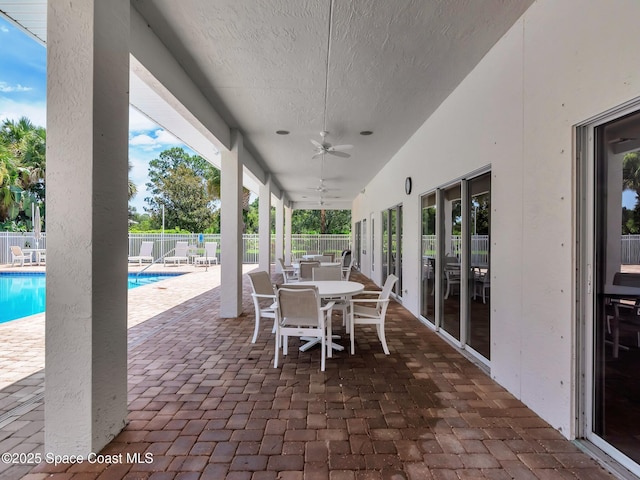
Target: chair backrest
<point>331,255</point>
<point>211,249</point>
<point>387,287</point>
<point>299,306</point>
<point>181,249</point>
<point>306,270</point>
<point>347,270</point>
<point>327,273</point>
<point>146,249</point>
<point>325,258</point>
<point>17,251</point>
<point>280,263</point>
<point>346,258</point>
<point>261,283</point>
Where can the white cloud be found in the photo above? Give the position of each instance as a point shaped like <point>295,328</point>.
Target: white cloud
<point>4,29</point>
<point>139,122</point>
<point>153,140</point>
<point>6,88</point>
<point>11,110</point>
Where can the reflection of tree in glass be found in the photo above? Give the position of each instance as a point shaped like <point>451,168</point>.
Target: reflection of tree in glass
<point>480,214</point>
<point>631,181</point>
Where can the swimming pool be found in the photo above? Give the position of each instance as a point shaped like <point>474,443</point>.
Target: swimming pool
<point>23,294</point>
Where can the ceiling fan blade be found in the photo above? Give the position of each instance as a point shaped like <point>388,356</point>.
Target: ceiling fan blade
<point>336,148</point>
<point>318,145</point>
<point>339,154</point>
<point>317,155</point>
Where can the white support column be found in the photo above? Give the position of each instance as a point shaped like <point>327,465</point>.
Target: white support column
<point>279,233</point>
<point>231,228</point>
<point>288,211</point>
<point>264,228</point>
<point>87,154</point>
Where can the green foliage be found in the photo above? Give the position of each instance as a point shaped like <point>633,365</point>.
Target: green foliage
<point>631,181</point>
<point>187,186</point>
<point>22,172</point>
<point>321,221</point>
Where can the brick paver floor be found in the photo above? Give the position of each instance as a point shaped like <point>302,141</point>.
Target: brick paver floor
<point>205,403</point>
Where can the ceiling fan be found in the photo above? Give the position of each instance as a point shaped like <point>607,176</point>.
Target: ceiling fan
<point>325,147</point>
<point>321,188</point>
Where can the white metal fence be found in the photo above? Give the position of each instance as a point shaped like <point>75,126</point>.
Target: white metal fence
<point>300,245</point>
<point>479,247</point>
<point>162,244</point>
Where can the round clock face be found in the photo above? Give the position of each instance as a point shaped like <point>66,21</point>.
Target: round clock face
<point>407,185</point>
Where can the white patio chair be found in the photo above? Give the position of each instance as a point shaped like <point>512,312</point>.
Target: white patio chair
<point>300,315</point>
<point>145,254</point>
<point>346,271</point>
<point>264,299</point>
<point>288,272</point>
<point>210,256</point>
<point>326,273</point>
<point>306,270</point>
<point>371,311</point>
<point>481,283</point>
<point>179,254</point>
<point>17,255</point>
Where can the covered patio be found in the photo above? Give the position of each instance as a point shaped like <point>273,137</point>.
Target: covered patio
<point>204,402</point>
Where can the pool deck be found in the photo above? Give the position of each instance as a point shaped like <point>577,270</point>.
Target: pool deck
<point>22,340</point>
<point>208,404</point>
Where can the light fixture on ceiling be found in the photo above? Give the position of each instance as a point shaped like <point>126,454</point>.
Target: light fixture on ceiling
<point>283,132</point>
<point>366,132</point>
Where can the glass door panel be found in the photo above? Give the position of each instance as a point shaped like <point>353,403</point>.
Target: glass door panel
<point>616,326</point>
<point>450,270</point>
<point>479,212</point>
<point>385,245</point>
<point>428,303</point>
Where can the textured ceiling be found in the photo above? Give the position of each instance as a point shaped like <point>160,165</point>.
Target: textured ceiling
<point>262,64</point>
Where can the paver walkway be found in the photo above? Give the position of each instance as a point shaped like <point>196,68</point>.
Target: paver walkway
<point>205,403</point>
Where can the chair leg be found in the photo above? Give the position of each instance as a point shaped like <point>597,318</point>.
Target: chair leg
<point>285,344</point>
<point>382,338</point>
<point>277,352</point>
<point>351,329</point>
<point>328,336</point>
<point>255,330</point>
<point>323,351</point>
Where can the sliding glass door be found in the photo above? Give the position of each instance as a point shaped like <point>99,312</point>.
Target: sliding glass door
<point>428,283</point>
<point>392,246</point>
<point>479,278</point>
<point>611,317</point>
<point>455,292</point>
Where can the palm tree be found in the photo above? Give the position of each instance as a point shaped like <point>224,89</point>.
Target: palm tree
<point>131,187</point>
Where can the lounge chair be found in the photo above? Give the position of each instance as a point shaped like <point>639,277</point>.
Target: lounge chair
<point>17,255</point>
<point>179,254</point>
<point>210,256</point>
<point>145,255</point>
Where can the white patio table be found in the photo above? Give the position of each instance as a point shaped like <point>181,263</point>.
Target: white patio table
<point>331,289</point>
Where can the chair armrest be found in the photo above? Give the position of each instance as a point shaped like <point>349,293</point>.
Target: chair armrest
<point>328,306</point>
<point>263,295</point>
<point>368,300</point>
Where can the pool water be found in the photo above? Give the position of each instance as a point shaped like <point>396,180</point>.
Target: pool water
<point>23,294</point>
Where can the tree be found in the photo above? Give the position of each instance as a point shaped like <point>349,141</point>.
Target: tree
<point>22,172</point>
<point>631,181</point>
<point>321,221</point>
<point>185,186</point>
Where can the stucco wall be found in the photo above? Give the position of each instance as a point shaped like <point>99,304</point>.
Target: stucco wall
<point>560,64</point>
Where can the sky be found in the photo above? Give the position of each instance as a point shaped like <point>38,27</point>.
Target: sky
<point>23,91</point>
